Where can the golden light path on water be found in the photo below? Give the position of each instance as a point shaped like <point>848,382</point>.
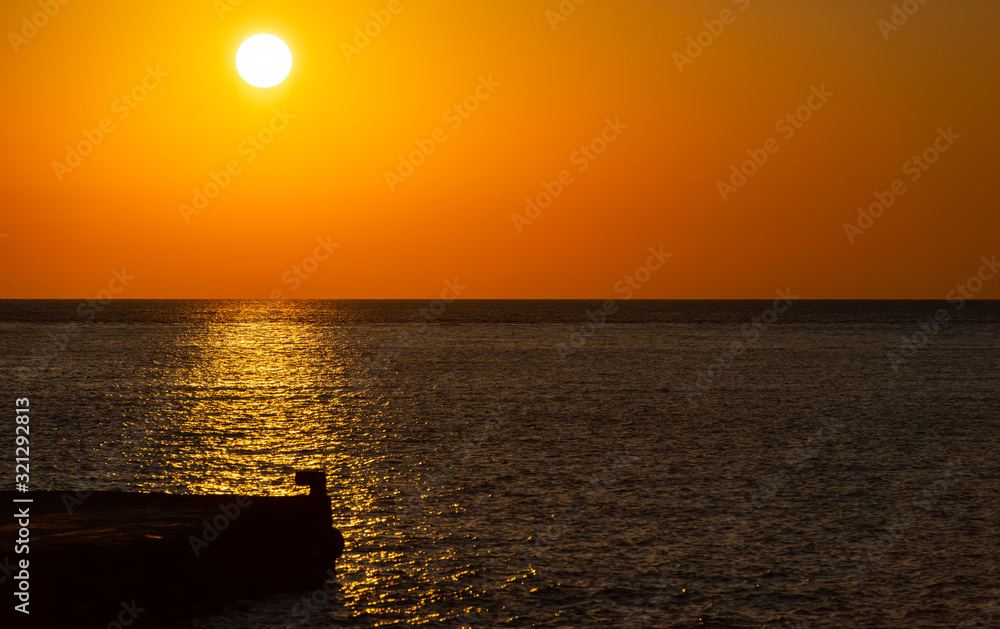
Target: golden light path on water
<point>263,397</point>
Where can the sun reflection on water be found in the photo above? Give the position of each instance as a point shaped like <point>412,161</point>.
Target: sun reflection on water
<point>264,396</point>
<point>259,401</point>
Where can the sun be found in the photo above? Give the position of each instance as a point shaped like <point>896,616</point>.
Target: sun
<point>263,60</point>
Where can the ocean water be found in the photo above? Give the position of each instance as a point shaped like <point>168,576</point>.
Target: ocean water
<point>541,464</point>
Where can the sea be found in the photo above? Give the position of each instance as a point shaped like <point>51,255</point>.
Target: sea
<point>724,464</point>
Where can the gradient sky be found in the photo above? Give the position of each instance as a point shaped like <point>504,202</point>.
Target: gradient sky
<point>323,174</point>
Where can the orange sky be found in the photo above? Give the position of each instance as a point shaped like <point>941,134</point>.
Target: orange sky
<point>541,89</point>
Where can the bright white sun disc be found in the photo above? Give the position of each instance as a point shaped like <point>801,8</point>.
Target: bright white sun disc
<point>263,60</point>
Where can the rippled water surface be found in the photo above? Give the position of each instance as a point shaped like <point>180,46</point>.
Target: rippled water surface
<point>654,477</point>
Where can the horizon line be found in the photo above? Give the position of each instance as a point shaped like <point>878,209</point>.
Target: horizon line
<point>479,299</point>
